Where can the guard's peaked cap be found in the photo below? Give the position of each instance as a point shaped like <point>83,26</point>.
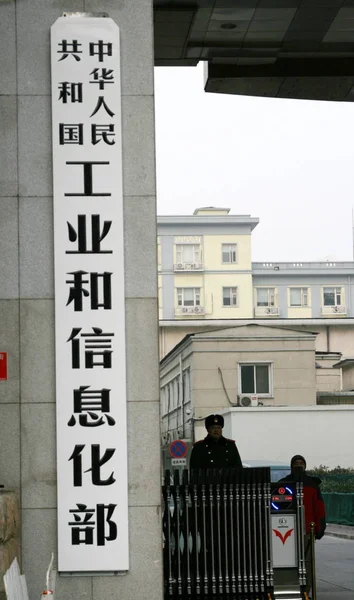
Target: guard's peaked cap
<point>214,420</point>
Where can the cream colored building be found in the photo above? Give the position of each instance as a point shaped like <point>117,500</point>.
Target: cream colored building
<point>208,372</point>
<point>206,280</point>
<point>204,264</point>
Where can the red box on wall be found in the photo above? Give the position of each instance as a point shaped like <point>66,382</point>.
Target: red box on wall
<point>3,366</point>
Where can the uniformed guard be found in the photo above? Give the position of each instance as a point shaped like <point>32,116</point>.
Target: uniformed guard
<point>215,451</point>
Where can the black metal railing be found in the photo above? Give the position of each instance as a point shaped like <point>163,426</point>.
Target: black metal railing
<point>217,535</point>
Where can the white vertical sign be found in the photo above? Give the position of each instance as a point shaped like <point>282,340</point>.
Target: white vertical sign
<point>89,296</point>
<point>284,540</point>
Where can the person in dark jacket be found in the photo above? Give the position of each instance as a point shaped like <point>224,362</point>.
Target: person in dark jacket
<point>214,451</point>
<point>314,506</point>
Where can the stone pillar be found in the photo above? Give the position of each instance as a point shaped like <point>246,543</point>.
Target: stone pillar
<point>27,399</point>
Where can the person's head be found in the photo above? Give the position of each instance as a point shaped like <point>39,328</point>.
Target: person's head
<point>214,425</point>
<point>298,461</point>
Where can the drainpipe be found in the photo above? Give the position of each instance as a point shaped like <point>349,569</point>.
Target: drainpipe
<point>328,340</point>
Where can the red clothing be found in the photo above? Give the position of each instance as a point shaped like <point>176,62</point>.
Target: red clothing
<point>314,506</point>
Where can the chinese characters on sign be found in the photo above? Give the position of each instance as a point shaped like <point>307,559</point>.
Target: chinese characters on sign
<point>89,296</point>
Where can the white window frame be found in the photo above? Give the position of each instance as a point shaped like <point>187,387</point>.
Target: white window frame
<point>159,255</point>
<point>304,293</point>
<point>171,396</point>
<point>196,296</point>
<point>232,254</point>
<point>176,391</point>
<point>233,296</point>
<point>186,386</point>
<point>165,400</point>
<point>197,254</point>
<point>338,293</point>
<point>270,294</point>
<point>162,401</point>
<point>255,363</point>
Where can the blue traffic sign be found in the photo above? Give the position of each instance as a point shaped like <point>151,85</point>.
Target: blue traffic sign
<point>178,449</point>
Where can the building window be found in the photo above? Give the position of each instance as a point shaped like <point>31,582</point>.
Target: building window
<point>188,253</point>
<point>176,392</point>
<point>299,296</point>
<point>168,399</point>
<point>229,296</point>
<point>186,387</point>
<point>159,258</point>
<point>186,394</point>
<point>332,296</point>
<point>265,296</point>
<point>171,397</point>
<point>255,379</point>
<point>163,401</point>
<point>228,253</point>
<point>188,296</point>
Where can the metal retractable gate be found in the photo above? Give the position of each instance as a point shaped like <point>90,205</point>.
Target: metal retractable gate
<point>217,540</point>
<point>232,535</point>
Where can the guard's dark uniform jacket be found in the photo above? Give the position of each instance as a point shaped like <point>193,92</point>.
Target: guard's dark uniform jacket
<point>211,454</point>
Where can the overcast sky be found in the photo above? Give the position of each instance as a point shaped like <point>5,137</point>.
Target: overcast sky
<point>290,163</point>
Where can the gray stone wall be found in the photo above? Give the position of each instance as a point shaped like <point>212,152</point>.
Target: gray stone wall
<point>27,399</point>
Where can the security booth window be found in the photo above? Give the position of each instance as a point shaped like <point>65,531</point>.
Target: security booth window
<point>255,379</point>
<point>332,296</point>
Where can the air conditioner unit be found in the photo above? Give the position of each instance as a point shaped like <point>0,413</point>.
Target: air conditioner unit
<point>248,400</point>
<point>179,266</point>
<point>338,309</point>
